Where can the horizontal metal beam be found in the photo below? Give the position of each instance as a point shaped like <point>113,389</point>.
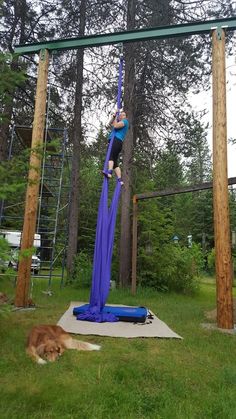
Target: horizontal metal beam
<point>160,32</point>
<point>179,190</point>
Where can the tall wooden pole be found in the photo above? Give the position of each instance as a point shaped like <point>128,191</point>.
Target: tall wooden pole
<point>32,194</point>
<point>220,186</point>
<point>134,245</point>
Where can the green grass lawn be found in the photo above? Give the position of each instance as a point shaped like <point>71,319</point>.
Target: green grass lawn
<point>129,378</point>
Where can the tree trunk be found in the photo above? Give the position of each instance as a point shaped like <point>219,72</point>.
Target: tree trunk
<point>125,237</point>
<point>223,261</point>
<point>4,131</point>
<point>77,138</point>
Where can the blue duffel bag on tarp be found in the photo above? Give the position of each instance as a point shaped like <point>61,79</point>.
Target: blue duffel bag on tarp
<point>124,314</point>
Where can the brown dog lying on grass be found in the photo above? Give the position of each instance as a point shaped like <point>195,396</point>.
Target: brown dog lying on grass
<point>48,342</point>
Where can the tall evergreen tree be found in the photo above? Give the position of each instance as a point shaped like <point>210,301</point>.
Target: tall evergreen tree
<point>129,102</point>
<point>197,154</point>
<point>90,15</point>
<point>77,139</point>
<point>165,70</point>
<point>22,21</point>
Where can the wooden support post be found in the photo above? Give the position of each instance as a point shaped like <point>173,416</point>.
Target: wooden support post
<point>32,194</point>
<point>134,245</point>
<point>220,186</point>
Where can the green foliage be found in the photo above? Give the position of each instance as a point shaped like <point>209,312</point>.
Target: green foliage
<point>172,268</point>
<point>10,78</point>
<point>13,183</point>
<point>194,215</point>
<point>168,171</point>
<point>211,261</point>
<point>13,176</point>
<point>91,181</point>
<point>27,253</point>
<point>4,252</point>
<point>82,271</point>
<point>161,264</point>
<point>4,259</point>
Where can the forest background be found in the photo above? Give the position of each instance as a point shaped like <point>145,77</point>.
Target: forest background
<point>166,145</point>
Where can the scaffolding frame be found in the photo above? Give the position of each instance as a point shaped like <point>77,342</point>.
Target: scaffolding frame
<point>53,202</point>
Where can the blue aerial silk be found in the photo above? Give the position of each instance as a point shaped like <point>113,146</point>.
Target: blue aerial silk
<point>105,232</point>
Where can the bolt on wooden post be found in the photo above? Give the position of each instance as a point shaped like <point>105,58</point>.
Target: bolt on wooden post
<point>223,260</point>
<point>32,193</point>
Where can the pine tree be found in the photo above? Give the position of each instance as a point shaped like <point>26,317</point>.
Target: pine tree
<point>23,21</point>
<point>129,85</point>
<point>9,80</point>
<point>164,72</point>
<point>77,139</point>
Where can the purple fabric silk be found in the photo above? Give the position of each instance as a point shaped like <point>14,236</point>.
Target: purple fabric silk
<point>105,232</point>
<point>104,242</point>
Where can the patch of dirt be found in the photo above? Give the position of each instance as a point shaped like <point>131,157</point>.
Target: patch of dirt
<point>211,315</point>
<point>213,326</point>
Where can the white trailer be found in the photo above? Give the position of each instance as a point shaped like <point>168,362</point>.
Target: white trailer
<point>14,238</point>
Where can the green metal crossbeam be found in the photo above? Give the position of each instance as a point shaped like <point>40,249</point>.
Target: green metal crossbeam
<point>129,36</point>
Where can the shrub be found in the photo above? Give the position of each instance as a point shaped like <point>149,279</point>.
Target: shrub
<point>4,253</point>
<point>4,260</point>
<point>172,268</point>
<point>82,273</point>
<point>211,261</point>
